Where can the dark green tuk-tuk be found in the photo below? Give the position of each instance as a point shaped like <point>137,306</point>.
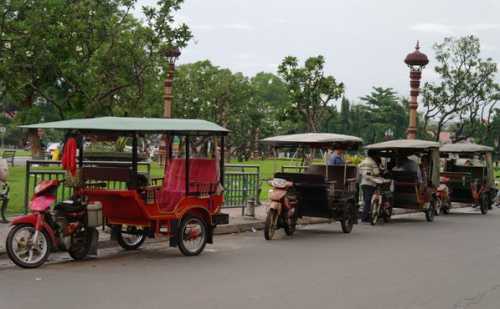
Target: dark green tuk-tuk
<point>469,174</point>
<point>413,166</point>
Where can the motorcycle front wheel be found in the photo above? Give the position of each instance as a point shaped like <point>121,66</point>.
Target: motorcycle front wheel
<point>270,225</point>
<point>375,211</point>
<point>21,248</point>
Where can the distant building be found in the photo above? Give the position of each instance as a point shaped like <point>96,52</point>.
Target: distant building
<point>445,137</point>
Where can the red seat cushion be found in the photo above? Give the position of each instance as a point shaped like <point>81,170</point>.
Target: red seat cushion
<point>201,171</point>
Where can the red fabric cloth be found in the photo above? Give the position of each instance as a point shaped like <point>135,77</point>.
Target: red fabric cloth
<point>69,156</point>
<point>174,186</point>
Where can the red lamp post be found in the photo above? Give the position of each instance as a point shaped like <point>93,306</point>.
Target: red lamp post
<point>416,61</point>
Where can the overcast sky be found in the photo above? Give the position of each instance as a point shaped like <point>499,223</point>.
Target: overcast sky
<point>364,41</point>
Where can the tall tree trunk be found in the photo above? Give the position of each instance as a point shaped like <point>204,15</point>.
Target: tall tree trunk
<point>36,148</point>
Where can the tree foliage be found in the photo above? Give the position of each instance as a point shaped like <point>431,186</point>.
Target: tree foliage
<point>248,107</point>
<point>466,92</point>
<point>311,92</point>
<point>371,118</point>
<point>83,58</point>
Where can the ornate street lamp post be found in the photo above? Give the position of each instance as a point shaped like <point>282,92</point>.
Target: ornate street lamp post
<point>172,55</point>
<point>416,61</point>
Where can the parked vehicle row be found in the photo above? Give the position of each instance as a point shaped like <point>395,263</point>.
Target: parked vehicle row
<point>185,204</point>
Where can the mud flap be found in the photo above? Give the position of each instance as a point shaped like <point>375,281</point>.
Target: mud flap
<point>174,239</point>
<point>210,236</point>
<point>93,242</point>
<point>115,232</point>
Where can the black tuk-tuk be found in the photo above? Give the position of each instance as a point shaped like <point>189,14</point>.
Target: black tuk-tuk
<point>315,189</point>
<point>469,174</point>
<point>413,166</point>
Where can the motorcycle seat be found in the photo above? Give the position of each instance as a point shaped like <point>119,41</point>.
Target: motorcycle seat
<point>69,206</point>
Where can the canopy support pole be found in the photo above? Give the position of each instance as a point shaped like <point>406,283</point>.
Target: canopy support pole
<point>187,165</point>
<point>221,162</point>
<point>134,160</point>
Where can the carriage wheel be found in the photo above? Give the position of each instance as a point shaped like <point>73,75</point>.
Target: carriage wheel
<point>484,203</point>
<point>131,241</point>
<point>192,235</point>
<point>348,221</point>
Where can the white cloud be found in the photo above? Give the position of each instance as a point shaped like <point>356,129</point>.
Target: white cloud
<point>433,28</point>
<point>245,27</point>
<point>203,27</point>
<point>483,27</point>
<point>280,21</point>
<point>452,29</point>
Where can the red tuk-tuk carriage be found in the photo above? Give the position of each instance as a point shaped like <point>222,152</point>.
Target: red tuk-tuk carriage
<point>185,206</point>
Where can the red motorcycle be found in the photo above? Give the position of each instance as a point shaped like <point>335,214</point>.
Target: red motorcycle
<point>282,208</point>
<point>65,227</point>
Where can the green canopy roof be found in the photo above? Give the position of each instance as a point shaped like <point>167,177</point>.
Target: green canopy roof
<point>465,147</point>
<point>130,124</point>
<point>404,144</point>
<point>315,140</point>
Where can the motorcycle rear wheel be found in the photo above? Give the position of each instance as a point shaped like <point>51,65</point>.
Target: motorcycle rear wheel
<point>375,211</point>
<point>291,226</point>
<point>80,250</point>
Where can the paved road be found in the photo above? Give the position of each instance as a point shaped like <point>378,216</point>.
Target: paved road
<point>451,263</point>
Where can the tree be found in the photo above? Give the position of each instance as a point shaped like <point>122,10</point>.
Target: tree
<point>466,91</point>
<point>269,101</point>
<point>84,58</point>
<point>311,92</point>
<point>345,123</point>
<point>205,91</point>
<point>386,111</point>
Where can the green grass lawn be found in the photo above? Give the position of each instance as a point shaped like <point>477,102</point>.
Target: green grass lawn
<point>20,152</point>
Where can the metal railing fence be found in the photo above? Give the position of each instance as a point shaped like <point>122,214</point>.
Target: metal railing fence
<point>242,182</point>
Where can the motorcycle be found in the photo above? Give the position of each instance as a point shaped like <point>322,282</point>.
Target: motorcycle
<point>65,227</point>
<point>381,201</point>
<point>282,208</point>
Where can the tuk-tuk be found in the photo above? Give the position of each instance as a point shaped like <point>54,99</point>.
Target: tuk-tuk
<point>413,166</point>
<point>313,189</point>
<point>469,174</point>
<point>184,205</point>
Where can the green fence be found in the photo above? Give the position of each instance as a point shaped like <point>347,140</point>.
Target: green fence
<point>242,182</point>
<point>38,170</point>
<point>242,185</point>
